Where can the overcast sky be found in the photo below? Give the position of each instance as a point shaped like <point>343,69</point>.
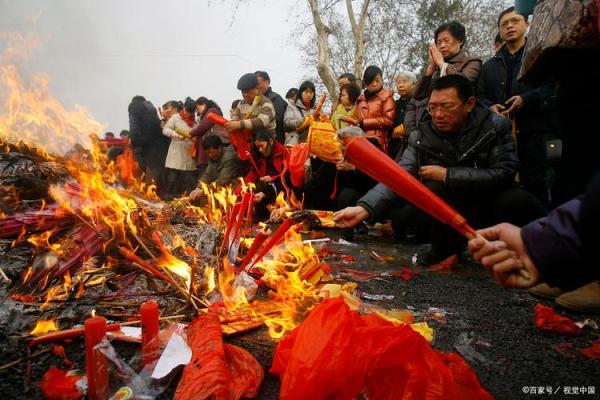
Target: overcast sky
<point>100,53</point>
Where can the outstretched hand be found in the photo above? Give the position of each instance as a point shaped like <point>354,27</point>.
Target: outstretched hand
<point>504,254</point>
<point>350,216</point>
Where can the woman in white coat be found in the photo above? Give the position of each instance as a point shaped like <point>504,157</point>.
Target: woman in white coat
<point>180,165</point>
<point>295,114</point>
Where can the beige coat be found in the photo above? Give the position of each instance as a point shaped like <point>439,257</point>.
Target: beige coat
<point>180,151</point>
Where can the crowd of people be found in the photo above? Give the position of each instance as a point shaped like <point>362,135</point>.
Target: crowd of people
<point>468,129</point>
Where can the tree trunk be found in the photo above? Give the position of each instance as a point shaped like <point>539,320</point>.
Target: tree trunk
<point>323,67</point>
<point>358,32</point>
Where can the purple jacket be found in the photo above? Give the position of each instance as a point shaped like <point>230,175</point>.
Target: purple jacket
<point>206,127</point>
<point>558,244</point>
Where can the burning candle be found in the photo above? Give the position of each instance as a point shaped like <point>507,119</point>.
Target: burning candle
<point>259,239</point>
<point>150,328</point>
<point>276,238</point>
<point>95,363</point>
<point>232,217</point>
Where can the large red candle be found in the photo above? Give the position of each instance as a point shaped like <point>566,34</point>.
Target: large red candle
<point>373,162</point>
<point>96,369</point>
<point>150,328</point>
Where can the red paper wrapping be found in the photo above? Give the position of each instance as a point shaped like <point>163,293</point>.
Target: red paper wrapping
<point>57,385</point>
<point>549,321</point>
<point>239,139</point>
<point>217,371</point>
<point>373,162</point>
<point>337,354</point>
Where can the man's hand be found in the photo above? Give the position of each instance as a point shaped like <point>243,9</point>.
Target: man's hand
<point>497,109</point>
<point>515,103</point>
<point>433,173</point>
<point>233,126</point>
<point>259,197</point>
<point>350,216</point>
<point>504,255</point>
<point>266,179</point>
<point>344,166</point>
<point>196,194</point>
<point>436,56</point>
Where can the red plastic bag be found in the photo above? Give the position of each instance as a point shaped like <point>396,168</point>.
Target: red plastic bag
<point>57,385</point>
<point>549,321</point>
<point>298,156</point>
<point>337,354</point>
<point>593,351</point>
<point>217,371</point>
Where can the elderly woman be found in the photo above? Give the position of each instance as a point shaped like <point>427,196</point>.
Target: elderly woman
<point>446,57</point>
<point>181,167</point>
<point>405,84</point>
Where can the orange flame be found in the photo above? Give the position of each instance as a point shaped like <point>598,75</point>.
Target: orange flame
<point>44,326</point>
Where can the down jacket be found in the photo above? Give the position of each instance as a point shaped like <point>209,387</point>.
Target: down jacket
<point>376,115</point>
<point>481,160</point>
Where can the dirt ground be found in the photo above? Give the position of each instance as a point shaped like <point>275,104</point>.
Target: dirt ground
<point>492,327</point>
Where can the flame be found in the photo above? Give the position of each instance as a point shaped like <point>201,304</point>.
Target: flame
<point>209,273</point>
<point>44,326</point>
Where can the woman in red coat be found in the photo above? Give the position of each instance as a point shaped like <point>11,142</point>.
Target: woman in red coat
<point>376,109</point>
<point>270,158</point>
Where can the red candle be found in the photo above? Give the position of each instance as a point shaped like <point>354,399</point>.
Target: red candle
<point>373,162</point>
<point>150,329</point>
<point>95,363</point>
<point>232,217</point>
<point>276,238</point>
<point>259,239</point>
<point>250,212</point>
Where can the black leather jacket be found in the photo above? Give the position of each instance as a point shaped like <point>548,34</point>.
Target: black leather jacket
<point>481,160</point>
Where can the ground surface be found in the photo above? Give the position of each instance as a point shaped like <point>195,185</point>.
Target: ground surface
<point>492,327</point>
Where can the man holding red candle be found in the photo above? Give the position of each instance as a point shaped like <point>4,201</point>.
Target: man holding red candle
<point>466,155</point>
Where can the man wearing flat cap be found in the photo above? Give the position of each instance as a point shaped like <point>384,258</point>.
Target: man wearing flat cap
<point>255,112</point>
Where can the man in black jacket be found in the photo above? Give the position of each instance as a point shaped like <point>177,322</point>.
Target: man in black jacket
<point>264,84</point>
<point>503,94</point>
<point>149,145</point>
<point>466,155</point>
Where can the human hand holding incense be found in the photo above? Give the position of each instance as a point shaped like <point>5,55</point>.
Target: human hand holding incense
<point>233,126</point>
<point>500,249</point>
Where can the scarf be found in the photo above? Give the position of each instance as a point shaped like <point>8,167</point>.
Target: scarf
<point>189,119</point>
<point>370,95</point>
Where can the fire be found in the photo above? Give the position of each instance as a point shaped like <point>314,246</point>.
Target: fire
<point>44,326</point>
<point>209,273</point>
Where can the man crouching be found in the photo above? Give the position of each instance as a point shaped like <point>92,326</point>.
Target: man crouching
<point>466,155</point>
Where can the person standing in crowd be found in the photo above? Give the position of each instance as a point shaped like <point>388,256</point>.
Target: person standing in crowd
<point>280,105</point>
<point>349,94</point>
<point>466,155</point>
<point>148,144</point>
<point>376,107</point>
<point>446,57</point>
<point>559,250</point>
<point>296,114</point>
<point>405,83</point>
<point>270,158</point>
<point>500,90</point>
<point>224,168</point>
<point>181,166</point>
<point>291,96</point>
<point>249,115</point>
<point>345,78</point>
<point>206,128</point>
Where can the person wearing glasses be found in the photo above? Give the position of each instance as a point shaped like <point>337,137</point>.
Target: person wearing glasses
<point>466,155</point>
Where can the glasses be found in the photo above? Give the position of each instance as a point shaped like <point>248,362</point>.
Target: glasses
<point>513,21</point>
<point>442,108</point>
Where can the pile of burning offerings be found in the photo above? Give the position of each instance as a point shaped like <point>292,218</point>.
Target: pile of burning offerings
<point>80,236</point>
